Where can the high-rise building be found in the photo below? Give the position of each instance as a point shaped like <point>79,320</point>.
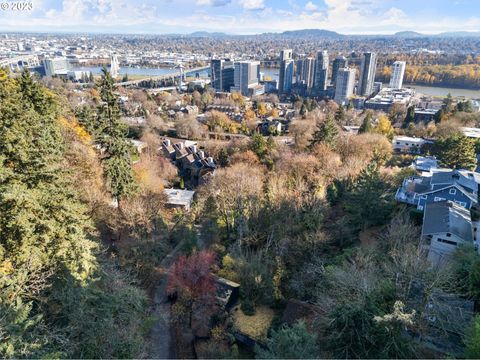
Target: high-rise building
<point>398,70</point>
<point>299,70</point>
<point>222,74</point>
<point>286,71</point>
<point>367,74</point>
<point>246,76</point>
<point>308,71</point>
<point>344,85</point>
<point>56,66</point>
<point>114,66</point>
<point>321,71</point>
<point>339,63</point>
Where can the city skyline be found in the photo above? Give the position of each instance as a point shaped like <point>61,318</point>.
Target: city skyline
<point>244,16</point>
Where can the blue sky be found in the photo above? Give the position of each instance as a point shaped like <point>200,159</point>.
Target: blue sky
<point>245,16</point>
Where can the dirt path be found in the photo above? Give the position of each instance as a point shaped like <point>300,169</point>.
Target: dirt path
<point>161,346</point>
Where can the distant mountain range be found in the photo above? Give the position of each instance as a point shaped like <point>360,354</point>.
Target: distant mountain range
<point>414,34</point>
<point>313,33</point>
<point>332,35</point>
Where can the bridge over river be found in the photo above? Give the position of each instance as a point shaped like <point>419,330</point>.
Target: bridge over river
<point>170,76</point>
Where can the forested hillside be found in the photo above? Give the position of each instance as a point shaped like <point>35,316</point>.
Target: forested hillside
<point>61,295</point>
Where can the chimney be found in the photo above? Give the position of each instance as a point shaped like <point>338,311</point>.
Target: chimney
<point>210,161</point>
<point>180,145</point>
<point>201,154</point>
<point>194,149</point>
<point>167,142</point>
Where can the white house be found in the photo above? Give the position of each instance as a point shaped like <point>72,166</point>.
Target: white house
<point>406,144</point>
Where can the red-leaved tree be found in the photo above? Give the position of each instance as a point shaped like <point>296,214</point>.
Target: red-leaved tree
<point>192,281</point>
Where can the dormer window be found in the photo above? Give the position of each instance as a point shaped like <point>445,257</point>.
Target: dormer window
<point>453,191</point>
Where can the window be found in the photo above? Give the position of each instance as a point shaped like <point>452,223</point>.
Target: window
<point>437,198</point>
<point>452,191</point>
<point>461,203</point>
<point>449,235</point>
<point>424,196</point>
<point>449,242</point>
<point>420,207</point>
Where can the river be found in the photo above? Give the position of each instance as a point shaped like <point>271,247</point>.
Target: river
<point>96,70</point>
<point>427,90</point>
<point>444,91</point>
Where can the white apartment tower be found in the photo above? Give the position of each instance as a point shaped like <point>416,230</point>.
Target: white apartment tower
<point>114,66</point>
<point>398,70</point>
<point>344,85</point>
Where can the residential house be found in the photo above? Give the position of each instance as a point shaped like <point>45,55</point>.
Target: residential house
<point>270,127</point>
<point>192,163</point>
<point>446,225</point>
<point>406,144</point>
<point>473,133</point>
<point>179,198</point>
<point>353,130</point>
<point>425,163</point>
<point>458,186</point>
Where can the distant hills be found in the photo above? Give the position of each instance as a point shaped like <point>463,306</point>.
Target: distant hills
<point>313,33</point>
<point>414,34</point>
<point>408,34</point>
<point>332,35</point>
<point>208,34</point>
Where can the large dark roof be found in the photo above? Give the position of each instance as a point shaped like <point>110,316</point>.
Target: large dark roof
<point>447,217</point>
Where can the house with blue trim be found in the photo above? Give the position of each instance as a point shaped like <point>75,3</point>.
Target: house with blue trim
<point>458,186</point>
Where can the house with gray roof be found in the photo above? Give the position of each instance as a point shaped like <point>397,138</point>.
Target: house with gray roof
<point>194,166</point>
<point>425,163</point>
<point>446,225</point>
<point>458,186</point>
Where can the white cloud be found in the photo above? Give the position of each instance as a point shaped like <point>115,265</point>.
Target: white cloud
<point>344,16</point>
<point>310,6</point>
<point>213,2</point>
<point>252,4</point>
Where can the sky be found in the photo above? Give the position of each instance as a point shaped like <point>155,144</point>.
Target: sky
<point>243,16</point>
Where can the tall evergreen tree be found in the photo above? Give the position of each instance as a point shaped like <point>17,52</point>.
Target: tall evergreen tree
<point>369,201</point>
<point>327,132</point>
<point>410,118</point>
<point>111,135</point>
<point>44,229</point>
<point>367,126</point>
<point>456,151</point>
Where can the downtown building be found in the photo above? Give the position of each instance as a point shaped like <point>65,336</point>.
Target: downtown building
<point>56,66</point>
<point>286,72</point>
<point>339,63</point>
<point>367,74</point>
<point>321,71</point>
<point>223,77</point>
<point>344,85</point>
<point>246,76</point>
<point>306,72</point>
<point>398,70</point>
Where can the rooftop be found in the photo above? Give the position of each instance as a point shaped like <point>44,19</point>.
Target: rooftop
<point>447,217</point>
<point>179,197</point>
